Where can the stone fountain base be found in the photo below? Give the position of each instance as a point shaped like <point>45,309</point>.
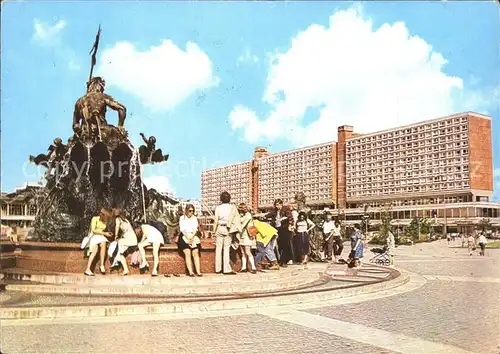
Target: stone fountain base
<point>69,258</point>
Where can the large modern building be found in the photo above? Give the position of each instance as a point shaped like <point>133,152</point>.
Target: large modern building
<point>236,179</point>
<point>440,168</point>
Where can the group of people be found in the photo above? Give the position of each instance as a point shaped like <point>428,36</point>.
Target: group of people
<point>112,233</point>
<point>112,226</point>
<point>471,243</point>
<point>281,236</point>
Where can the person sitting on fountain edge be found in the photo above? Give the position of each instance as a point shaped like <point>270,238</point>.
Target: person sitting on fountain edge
<point>148,152</point>
<point>149,235</point>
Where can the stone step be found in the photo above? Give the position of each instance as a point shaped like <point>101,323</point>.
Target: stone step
<point>96,307</point>
<point>168,289</point>
<point>144,279</point>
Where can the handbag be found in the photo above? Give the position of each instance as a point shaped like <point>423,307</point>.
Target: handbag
<point>86,240</point>
<point>251,230</point>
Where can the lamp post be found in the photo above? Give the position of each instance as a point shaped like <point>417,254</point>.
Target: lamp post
<point>365,218</point>
<point>418,223</point>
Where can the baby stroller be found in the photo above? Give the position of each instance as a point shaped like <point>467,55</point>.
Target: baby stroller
<point>381,256</point>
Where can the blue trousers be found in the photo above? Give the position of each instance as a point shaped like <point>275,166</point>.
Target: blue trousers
<point>265,251</point>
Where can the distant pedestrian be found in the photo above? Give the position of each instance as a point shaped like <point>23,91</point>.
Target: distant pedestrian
<point>12,234</point>
<point>356,246</point>
<point>471,244</point>
<point>482,244</point>
<point>391,247</point>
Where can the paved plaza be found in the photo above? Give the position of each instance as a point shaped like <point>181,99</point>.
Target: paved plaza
<point>450,305</point>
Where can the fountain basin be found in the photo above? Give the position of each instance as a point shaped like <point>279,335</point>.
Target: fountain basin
<point>69,258</point>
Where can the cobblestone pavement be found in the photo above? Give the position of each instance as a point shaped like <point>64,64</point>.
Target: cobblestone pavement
<point>456,315</point>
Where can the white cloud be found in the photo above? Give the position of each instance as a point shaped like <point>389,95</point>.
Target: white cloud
<point>160,183</point>
<point>352,73</point>
<point>247,57</point>
<point>45,33</point>
<point>49,37</point>
<point>162,76</point>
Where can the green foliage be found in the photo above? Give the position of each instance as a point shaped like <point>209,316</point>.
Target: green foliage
<point>419,224</point>
<point>385,226</point>
<point>485,224</point>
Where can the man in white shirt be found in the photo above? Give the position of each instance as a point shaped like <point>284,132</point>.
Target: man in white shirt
<point>225,214</point>
<point>482,243</point>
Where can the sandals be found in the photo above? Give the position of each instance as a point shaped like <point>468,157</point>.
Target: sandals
<point>89,273</point>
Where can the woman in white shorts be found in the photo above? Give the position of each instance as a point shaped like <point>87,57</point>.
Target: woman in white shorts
<point>125,236</point>
<point>98,239</point>
<point>149,235</point>
<point>246,240</point>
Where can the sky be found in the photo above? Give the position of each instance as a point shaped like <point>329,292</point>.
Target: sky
<point>213,80</point>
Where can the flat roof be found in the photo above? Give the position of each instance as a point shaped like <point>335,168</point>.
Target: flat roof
<point>456,115</point>
<point>298,149</point>
<point>227,165</point>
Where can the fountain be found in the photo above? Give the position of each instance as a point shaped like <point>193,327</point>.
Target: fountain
<point>97,168</point>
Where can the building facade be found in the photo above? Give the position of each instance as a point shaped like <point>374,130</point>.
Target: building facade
<point>19,208</point>
<point>308,170</point>
<point>235,179</point>
<point>441,168</point>
<point>443,160</point>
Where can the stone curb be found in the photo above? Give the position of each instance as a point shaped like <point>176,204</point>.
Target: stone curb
<point>196,307</point>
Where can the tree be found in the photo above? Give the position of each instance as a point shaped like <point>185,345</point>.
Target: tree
<point>485,224</point>
<point>419,226</point>
<point>385,222</point>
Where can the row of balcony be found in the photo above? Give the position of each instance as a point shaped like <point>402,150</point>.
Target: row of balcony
<point>398,145</point>
<point>411,189</point>
<point>425,127</point>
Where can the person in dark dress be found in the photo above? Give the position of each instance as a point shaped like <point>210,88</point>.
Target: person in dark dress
<point>282,219</point>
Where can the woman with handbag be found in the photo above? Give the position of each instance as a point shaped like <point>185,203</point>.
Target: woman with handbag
<point>189,240</point>
<point>98,239</point>
<point>247,237</point>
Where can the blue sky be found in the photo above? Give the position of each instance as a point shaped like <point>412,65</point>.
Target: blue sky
<point>278,74</point>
